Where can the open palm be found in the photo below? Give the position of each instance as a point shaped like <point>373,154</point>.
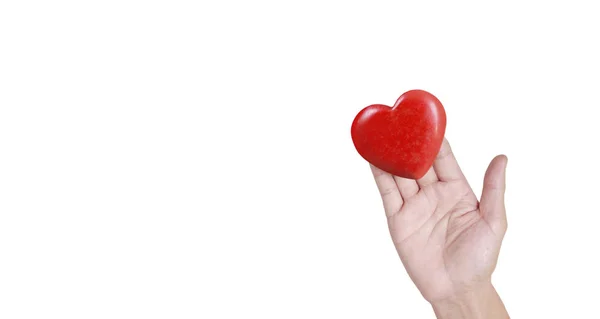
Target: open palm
<point>447,240</point>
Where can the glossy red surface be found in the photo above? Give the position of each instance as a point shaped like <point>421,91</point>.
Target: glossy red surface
<point>404,139</point>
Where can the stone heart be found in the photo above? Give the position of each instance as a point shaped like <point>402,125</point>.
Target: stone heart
<point>404,139</point>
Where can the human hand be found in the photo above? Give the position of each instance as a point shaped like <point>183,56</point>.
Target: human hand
<point>447,240</point>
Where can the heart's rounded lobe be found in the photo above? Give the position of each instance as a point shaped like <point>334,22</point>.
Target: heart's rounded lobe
<point>404,139</point>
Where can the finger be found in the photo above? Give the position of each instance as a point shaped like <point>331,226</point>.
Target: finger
<point>407,187</point>
<point>429,178</point>
<point>445,164</point>
<point>492,197</point>
<point>390,195</point>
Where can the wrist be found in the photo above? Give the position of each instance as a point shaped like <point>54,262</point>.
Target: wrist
<point>480,301</point>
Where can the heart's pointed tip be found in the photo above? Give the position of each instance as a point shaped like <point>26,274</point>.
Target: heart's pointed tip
<point>418,176</point>
<point>409,176</point>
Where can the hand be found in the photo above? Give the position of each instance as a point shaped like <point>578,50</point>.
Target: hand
<point>447,240</point>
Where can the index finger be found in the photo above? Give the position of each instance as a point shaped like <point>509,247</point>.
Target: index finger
<point>390,195</point>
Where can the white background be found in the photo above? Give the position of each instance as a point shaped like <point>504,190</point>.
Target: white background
<point>193,159</point>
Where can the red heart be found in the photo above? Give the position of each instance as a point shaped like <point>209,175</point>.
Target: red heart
<point>402,140</point>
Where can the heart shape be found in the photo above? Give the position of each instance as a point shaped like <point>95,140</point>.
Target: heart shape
<point>402,140</point>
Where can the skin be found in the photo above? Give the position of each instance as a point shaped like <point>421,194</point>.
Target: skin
<point>447,239</point>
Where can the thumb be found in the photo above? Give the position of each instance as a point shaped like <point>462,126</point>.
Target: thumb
<point>491,205</point>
